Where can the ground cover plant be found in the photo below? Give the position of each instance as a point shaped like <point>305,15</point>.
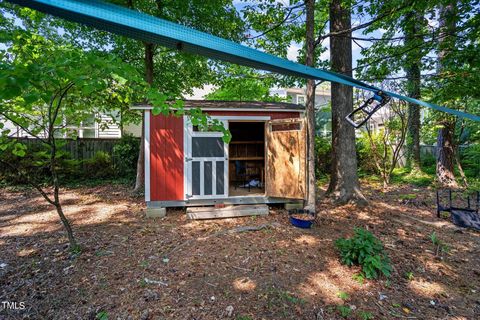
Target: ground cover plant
<point>364,249</point>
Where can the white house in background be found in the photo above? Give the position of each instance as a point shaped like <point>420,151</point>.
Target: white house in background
<point>322,100</point>
<point>299,95</point>
<point>105,128</point>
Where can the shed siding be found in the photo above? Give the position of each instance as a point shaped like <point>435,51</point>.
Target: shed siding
<point>166,158</point>
<point>167,154</point>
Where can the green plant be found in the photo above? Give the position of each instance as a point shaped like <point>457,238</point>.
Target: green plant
<point>419,179</point>
<point>143,283</point>
<point>470,157</point>
<point>359,277</point>
<point>323,156</point>
<point>345,311</point>
<point>440,246</point>
<point>75,250</point>
<point>244,318</point>
<point>365,155</point>
<point>99,166</point>
<point>291,298</point>
<point>102,315</point>
<point>409,276</point>
<point>428,162</point>
<point>365,315</point>
<point>366,250</point>
<point>342,295</point>
<point>408,196</point>
<point>125,156</point>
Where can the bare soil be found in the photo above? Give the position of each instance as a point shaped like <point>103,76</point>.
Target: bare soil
<point>132,267</point>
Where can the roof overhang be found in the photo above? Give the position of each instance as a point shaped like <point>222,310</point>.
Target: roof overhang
<point>227,105</point>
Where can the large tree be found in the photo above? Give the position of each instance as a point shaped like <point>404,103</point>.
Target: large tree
<point>344,184</point>
<point>413,27</point>
<point>445,147</point>
<point>310,103</point>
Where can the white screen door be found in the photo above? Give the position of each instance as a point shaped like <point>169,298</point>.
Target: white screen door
<point>206,160</point>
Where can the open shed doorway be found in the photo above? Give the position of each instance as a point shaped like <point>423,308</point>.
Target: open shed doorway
<point>247,159</point>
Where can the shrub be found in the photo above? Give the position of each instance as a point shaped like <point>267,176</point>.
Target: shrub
<point>35,164</point>
<point>100,166</point>
<point>470,157</point>
<point>125,156</point>
<point>366,250</point>
<point>365,154</point>
<point>323,156</point>
<point>428,163</point>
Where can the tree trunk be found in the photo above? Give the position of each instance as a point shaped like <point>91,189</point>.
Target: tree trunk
<point>344,185</point>
<point>140,178</point>
<point>445,146</point>
<point>56,202</point>
<point>53,113</point>
<point>413,71</point>
<point>446,157</point>
<point>310,105</point>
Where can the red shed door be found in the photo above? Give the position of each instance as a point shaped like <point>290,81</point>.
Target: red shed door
<point>206,160</point>
<point>285,175</point>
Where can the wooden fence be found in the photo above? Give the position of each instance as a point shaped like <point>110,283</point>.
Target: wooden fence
<point>81,148</point>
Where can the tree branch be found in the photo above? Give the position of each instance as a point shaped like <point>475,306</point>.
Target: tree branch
<point>289,13</point>
<point>363,25</point>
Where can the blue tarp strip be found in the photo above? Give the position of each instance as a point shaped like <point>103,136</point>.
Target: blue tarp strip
<point>137,25</point>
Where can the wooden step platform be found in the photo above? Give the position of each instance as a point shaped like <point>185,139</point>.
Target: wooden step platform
<point>227,212</point>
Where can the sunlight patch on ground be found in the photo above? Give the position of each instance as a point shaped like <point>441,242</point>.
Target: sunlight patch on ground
<point>328,284</point>
<point>98,213</point>
<point>426,289</point>
<point>363,215</point>
<point>48,221</point>
<point>7,217</point>
<point>320,284</point>
<point>25,252</point>
<point>283,243</point>
<point>28,224</point>
<point>442,269</point>
<point>307,240</point>
<point>244,284</point>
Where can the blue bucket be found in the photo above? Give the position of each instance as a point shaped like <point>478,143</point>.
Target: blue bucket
<point>300,223</point>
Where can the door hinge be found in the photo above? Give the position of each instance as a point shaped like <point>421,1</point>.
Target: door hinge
<point>188,159</point>
<point>188,196</point>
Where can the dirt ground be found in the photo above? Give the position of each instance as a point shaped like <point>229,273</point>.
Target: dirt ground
<point>132,267</point>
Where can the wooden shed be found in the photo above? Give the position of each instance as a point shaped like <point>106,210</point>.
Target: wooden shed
<point>265,161</point>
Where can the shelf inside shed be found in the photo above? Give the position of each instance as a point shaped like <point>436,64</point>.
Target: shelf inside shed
<point>247,158</point>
